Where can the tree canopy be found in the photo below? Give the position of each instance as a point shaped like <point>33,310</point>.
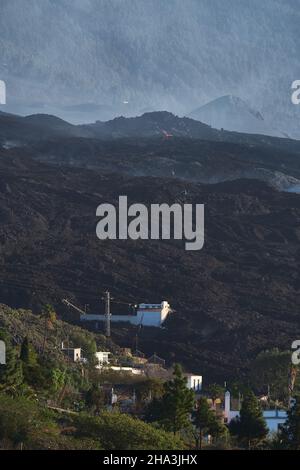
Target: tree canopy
<point>250,427</point>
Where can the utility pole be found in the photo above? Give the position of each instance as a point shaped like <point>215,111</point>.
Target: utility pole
<point>107,313</point>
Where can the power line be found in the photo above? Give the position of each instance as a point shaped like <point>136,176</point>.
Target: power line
<point>20,284</point>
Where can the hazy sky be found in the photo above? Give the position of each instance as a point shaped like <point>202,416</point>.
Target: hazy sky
<point>153,54</point>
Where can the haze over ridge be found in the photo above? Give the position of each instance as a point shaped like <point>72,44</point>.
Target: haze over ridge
<point>154,54</point>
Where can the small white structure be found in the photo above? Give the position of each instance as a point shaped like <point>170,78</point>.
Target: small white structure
<point>114,397</point>
<point>73,353</point>
<point>128,370</point>
<point>2,353</point>
<point>146,315</point>
<point>102,358</point>
<point>229,414</point>
<point>273,418</point>
<point>194,382</point>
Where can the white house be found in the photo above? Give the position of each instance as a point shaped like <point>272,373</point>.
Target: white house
<point>194,382</point>
<point>146,315</point>
<point>102,358</point>
<point>73,353</point>
<point>273,418</point>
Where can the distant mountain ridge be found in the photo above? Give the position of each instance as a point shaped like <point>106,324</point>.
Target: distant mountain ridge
<point>234,114</point>
<point>156,144</point>
<point>158,123</point>
<point>163,124</point>
<point>131,55</point>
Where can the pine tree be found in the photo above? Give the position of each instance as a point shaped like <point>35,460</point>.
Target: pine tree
<point>28,354</point>
<point>250,427</point>
<point>290,433</point>
<point>30,366</point>
<point>206,421</point>
<point>177,402</point>
<point>95,398</point>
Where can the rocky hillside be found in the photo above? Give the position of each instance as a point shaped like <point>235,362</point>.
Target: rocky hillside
<point>155,144</point>
<point>23,323</point>
<point>237,296</point>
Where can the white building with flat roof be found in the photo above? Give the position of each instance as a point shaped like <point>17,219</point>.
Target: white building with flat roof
<point>273,418</point>
<point>73,353</point>
<point>128,370</point>
<point>194,382</point>
<point>102,358</point>
<point>146,315</point>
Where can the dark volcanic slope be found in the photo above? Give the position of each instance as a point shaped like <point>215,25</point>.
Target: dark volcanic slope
<point>191,159</point>
<point>40,127</point>
<point>155,144</point>
<point>239,295</point>
<point>20,130</point>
